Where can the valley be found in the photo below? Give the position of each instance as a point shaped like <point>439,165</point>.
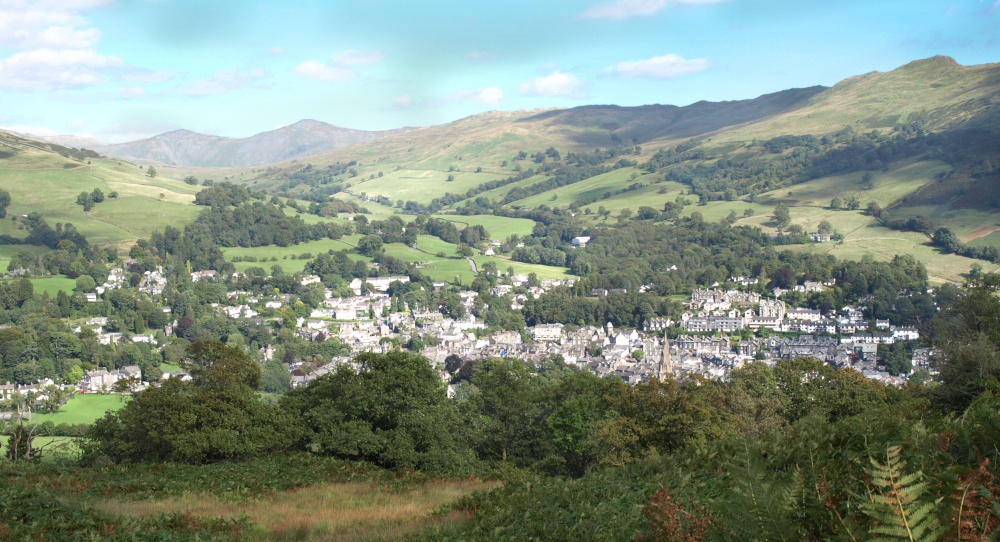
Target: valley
<point>727,320</point>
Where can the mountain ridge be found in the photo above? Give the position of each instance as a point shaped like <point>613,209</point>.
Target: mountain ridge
<point>187,148</point>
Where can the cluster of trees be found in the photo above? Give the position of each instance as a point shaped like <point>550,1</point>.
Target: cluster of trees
<point>224,194</point>
<point>314,178</point>
<point>261,224</point>
<point>89,199</point>
<point>789,160</point>
<point>949,243</point>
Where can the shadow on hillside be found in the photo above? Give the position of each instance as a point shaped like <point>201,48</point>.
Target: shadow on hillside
<point>635,125</point>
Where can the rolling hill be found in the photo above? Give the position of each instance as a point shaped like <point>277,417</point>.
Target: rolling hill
<point>47,178</point>
<point>917,140</point>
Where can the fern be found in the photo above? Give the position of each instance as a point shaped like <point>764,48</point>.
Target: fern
<point>760,504</point>
<point>895,503</point>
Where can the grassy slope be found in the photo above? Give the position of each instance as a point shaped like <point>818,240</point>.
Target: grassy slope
<point>49,184</point>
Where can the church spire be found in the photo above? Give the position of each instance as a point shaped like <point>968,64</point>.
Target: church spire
<point>666,364</point>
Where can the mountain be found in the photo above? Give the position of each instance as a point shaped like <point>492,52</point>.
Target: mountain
<point>185,148</point>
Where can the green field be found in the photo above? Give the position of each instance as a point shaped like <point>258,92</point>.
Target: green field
<point>420,185</point>
<point>52,285</point>
<point>499,227</point>
<point>83,408</point>
<point>594,187</point>
<point>434,246</point>
<point>284,254</point>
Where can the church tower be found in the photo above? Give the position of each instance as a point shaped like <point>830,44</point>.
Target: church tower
<point>666,364</point>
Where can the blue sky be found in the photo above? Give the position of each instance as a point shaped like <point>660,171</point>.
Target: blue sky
<point>118,70</point>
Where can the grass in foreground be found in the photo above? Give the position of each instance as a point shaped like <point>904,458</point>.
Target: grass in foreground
<point>291,496</point>
<point>337,511</point>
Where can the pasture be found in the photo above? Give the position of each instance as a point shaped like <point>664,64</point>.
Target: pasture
<point>83,408</point>
<point>143,204</point>
<point>499,227</point>
<point>53,285</point>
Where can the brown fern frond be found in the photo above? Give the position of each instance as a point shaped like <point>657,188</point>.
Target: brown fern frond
<point>977,493</point>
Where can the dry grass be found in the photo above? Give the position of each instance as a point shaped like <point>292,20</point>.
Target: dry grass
<point>345,511</point>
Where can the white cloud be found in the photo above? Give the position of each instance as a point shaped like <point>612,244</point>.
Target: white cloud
<point>29,130</point>
<point>660,67</point>
<point>554,84</point>
<point>35,29</point>
<point>275,51</point>
<point>131,92</point>
<point>354,57</point>
<point>222,82</point>
<point>312,69</point>
<point>55,47</point>
<point>49,69</point>
<point>627,9</point>
<point>484,96</point>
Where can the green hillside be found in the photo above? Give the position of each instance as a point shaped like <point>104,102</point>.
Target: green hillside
<point>47,179</point>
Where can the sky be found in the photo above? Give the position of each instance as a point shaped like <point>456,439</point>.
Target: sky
<point>121,70</point>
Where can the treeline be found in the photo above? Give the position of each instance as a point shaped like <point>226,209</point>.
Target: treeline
<point>789,160</point>
<point>949,243</point>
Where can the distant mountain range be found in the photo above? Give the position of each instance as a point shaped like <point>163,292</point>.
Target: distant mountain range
<point>185,148</point>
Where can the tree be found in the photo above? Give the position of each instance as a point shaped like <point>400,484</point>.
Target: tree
<point>84,199</point>
<point>392,410</point>
<point>4,203</point>
<point>191,180</point>
<point>506,409</point>
<point>969,336</point>
<point>836,204</point>
<point>370,245</point>
<point>867,181</point>
<point>824,227</point>
<point>853,203</point>
<point>782,216</point>
<point>216,416</point>
<point>874,209</point>
<point>784,277</point>
<point>946,240</point>
<point>151,172</point>
<point>275,377</point>
<point>97,196</point>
